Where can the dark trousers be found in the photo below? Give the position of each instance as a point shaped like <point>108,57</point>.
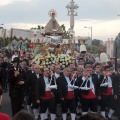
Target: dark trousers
<point>107,101</point>
<point>29,99</point>
<point>117,106</point>
<point>68,103</point>
<point>89,104</point>
<point>16,104</point>
<point>5,84</point>
<point>35,105</point>
<point>50,104</point>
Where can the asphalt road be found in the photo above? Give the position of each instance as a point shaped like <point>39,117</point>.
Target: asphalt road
<point>6,107</point>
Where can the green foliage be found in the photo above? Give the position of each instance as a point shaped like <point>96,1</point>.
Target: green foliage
<point>96,42</point>
<point>38,27</point>
<point>95,49</point>
<point>65,33</point>
<point>27,44</point>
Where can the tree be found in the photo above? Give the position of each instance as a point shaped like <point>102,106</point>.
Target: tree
<point>38,27</point>
<point>95,49</point>
<point>27,44</point>
<point>65,33</point>
<point>96,42</point>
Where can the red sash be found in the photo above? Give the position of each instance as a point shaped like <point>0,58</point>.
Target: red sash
<point>70,95</point>
<point>109,91</point>
<point>90,95</point>
<point>48,95</point>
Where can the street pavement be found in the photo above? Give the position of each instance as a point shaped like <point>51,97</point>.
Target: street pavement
<point>6,107</point>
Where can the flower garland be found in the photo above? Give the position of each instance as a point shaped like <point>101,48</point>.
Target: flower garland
<point>64,60</point>
<point>50,59</point>
<point>37,59</point>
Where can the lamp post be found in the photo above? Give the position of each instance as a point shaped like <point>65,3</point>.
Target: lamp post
<point>2,34</point>
<point>91,36</point>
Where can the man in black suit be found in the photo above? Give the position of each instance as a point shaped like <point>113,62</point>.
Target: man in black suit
<point>45,96</point>
<point>31,86</point>
<point>66,94</point>
<point>89,91</point>
<point>98,72</point>
<point>28,89</point>
<point>57,74</point>
<point>108,91</point>
<point>17,79</point>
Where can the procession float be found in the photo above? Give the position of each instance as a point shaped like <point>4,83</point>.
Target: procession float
<point>52,49</point>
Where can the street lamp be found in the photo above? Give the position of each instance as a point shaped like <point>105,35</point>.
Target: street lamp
<point>2,34</point>
<point>91,36</point>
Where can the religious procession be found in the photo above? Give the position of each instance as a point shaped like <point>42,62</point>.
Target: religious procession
<point>58,78</point>
<point>58,85</point>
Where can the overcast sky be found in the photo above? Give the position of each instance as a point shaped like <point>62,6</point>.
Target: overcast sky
<point>100,14</point>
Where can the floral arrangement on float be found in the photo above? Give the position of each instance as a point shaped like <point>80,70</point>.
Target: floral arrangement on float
<point>48,57</point>
<point>63,59</point>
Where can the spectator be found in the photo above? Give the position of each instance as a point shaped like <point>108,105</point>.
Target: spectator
<point>4,117</point>
<point>23,115</point>
<point>92,116</point>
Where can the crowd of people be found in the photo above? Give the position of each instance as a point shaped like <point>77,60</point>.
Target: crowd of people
<point>84,86</point>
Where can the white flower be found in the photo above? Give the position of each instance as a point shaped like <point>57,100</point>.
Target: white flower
<point>63,66</point>
<point>60,60</point>
<point>66,63</point>
<point>47,60</point>
<point>46,63</point>
<point>63,62</point>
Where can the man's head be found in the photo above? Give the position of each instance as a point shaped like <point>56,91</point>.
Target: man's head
<point>52,67</point>
<point>67,71</point>
<point>80,69</point>
<point>6,59</point>
<point>32,67</point>
<point>97,67</point>
<point>23,64</point>
<point>46,72</point>
<point>15,61</point>
<point>57,69</point>
<point>37,69</point>
<point>72,66</point>
<point>107,70</point>
<point>88,64</point>
<point>87,72</point>
<point>81,61</point>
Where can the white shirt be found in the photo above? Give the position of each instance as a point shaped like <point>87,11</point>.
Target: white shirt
<point>37,75</point>
<point>69,83</point>
<point>109,81</point>
<point>47,84</point>
<point>57,75</point>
